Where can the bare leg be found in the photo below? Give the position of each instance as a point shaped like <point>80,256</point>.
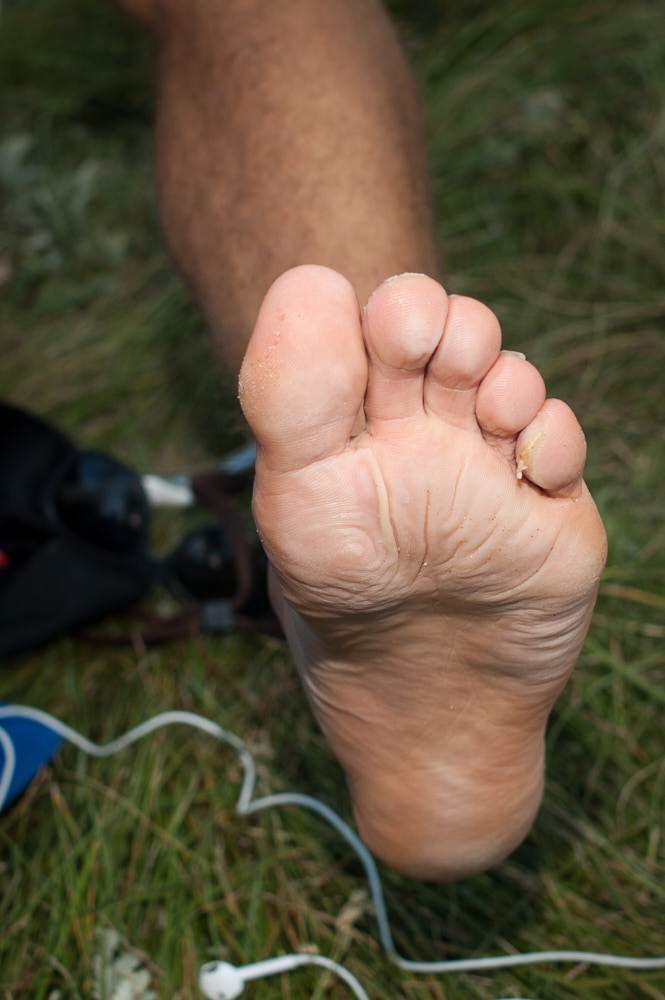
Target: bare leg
<point>288,132</point>
<point>434,602</point>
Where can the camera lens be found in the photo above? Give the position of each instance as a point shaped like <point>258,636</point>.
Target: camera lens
<point>103,502</point>
<point>203,565</point>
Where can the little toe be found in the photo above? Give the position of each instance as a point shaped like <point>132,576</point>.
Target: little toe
<point>304,375</point>
<point>467,350</point>
<point>551,451</point>
<point>403,323</point>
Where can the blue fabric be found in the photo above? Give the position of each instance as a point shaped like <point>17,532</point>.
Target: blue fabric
<point>34,745</point>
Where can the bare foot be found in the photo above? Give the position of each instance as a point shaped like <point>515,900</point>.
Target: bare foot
<point>436,573</point>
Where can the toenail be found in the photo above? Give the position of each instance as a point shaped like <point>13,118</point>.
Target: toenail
<point>518,354</point>
<point>404,274</point>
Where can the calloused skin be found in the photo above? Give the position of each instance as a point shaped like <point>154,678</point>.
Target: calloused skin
<point>435,573</point>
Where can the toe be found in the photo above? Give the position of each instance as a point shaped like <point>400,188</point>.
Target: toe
<point>551,451</point>
<point>509,397</point>
<point>304,375</point>
<point>402,325</point>
<point>468,348</point>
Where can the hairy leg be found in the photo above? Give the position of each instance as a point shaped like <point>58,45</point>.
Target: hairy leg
<point>288,132</point>
<point>434,602</point>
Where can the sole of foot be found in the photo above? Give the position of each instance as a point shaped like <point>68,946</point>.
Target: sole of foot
<point>435,572</point>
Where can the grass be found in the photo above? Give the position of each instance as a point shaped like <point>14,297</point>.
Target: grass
<point>545,123</point>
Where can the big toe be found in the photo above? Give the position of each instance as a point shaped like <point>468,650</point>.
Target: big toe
<point>304,375</point>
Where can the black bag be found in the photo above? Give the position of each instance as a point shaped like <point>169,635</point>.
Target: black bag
<point>74,529</point>
<point>60,568</point>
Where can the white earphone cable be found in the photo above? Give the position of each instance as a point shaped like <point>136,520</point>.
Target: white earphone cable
<point>247,805</point>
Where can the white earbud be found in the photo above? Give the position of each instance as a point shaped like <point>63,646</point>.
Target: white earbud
<point>223,981</point>
<point>220,981</point>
